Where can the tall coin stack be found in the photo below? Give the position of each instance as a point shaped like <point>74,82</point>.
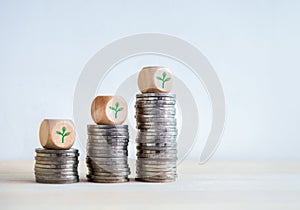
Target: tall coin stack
<point>107,153</point>
<point>107,143</point>
<point>156,124</point>
<point>56,163</point>
<point>56,166</point>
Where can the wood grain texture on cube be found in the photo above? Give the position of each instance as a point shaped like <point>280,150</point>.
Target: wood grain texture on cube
<point>109,110</point>
<point>155,79</point>
<point>57,134</point>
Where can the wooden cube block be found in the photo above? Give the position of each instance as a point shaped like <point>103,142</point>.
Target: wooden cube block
<point>57,134</point>
<point>109,110</point>
<point>155,79</point>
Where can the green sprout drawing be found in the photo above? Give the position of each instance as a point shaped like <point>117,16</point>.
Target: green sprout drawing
<point>63,134</point>
<point>163,79</point>
<point>116,109</point>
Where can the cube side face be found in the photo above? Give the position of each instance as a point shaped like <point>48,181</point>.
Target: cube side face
<point>98,108</point>
<point>63,134</point>
<point>116,110</point>
<point>57,134</point>
<point>155,79</point>
<point>109,110</point>
<point>44,133</point>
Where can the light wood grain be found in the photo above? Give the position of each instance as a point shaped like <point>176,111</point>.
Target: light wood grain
<point>109,110</point>
<point>216,185</point>
<point>57,134</point>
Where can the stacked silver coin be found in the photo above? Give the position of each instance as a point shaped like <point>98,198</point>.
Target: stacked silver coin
<point>156,138</point>
<point>107,154</point>
<point>56,166</point>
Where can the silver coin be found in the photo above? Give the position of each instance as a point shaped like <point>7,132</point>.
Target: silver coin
<point>115,146</point>
<point>108,169</point>
<point>155,166</point>
<point>155,95</point>
<point>157,156</point>
<point>56,181</point>
<point>56,158</point>
<point>108,173</point>
<point>155,103</point>
<point>123,166</point>
<point>73,173</point>
<point>54,162</point>
<point>99,155</point>
<point>108,129</point>
<point>107,158</point>
<point>155,112</point>
<point>155,174</point>
<point>155,106</point>
<point>156,99</point>
<point>156,124</point>
<point>158,132</point>
<point>48,155</point>
<point>141,170</point>
<point>156,120</point>
<point>69,166</point>
<point>157,161</point>
<point>107,177</point>
<point>107,126</point>
<point>55,170</point>
<point>158,152</point>
<point>154,141</point>
<point>54,151</point>
<point>109,134</point>
<point>109,147</point>
<point>148,179</point>
<point>57,177</point>
<point>154,116</point>
<point>118,180</point>
<point>171,144</point>
<point>106,141</point>
<point>103,137</point>
<point>103,151</point>
<point>156,148</point>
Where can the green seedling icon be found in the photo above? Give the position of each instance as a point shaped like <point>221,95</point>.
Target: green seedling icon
<point>116,109</point>
<point>63,134</point>
<point>163,79</point>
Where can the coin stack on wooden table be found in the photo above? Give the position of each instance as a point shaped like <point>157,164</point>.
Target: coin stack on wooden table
<point>107,154</point>
<point>56,163</point>
<point>156,124</point>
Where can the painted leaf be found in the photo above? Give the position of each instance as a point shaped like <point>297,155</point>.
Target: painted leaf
<point>168,79</point>
<point>64,129</point>
<point>120,109</point>
<point>67,134</point>
<point>112,108</point>
<point>159,78</point>
<point>164,74</point>
<point>117,105</point>
<point>59,133</point>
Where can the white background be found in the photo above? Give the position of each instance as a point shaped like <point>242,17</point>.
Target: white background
<point>252,45</point>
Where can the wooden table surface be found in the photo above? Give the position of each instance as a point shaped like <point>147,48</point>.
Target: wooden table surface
<point>215,185</point>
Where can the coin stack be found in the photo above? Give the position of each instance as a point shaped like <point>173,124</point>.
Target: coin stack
<point>56,166</point>
<point>156,138</point>
<point>107,153</point>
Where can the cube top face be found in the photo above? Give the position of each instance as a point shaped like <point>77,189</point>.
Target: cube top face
<point>110,110</point>
<point>57,134</point>
<point>155,79</point>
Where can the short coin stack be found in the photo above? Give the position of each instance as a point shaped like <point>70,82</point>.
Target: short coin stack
<point>156,139</point>
<point>107,153</point>
<point>56,166</point>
